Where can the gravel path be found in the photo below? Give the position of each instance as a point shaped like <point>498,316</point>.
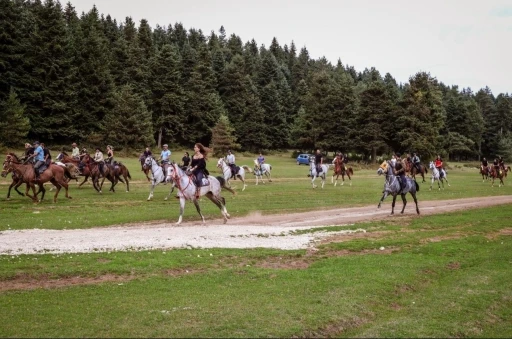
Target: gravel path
<point>270,231</point>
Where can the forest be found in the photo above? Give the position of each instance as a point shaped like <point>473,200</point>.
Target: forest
<point>69,77</point>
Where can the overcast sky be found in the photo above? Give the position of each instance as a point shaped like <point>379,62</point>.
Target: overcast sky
<point>465,43</point>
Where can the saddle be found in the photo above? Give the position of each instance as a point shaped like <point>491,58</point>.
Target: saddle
<point>204,181</point>
<point>42,168</point>
<point>233,174</point>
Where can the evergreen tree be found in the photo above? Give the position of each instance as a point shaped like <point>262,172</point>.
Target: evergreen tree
<point>223,137</point>
<point>485,101</point>
<point>129,123</point>
<point>14,125</point>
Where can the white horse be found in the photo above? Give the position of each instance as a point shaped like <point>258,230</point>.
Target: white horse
<point>226,172</point>
<point>187,191</point>
<point>157,176</point>
<point>436,177</point>
<point>314,175</point>
<point>260,170</point>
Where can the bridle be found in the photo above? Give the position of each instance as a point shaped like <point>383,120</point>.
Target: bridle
<point>177,179</point>
<point>225,167</point>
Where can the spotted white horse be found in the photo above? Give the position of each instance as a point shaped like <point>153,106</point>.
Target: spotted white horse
<point>313,174</point>
<point>260,170</point>
<point>226,172</point>
<point>436,176</point>
<point>157,176</point>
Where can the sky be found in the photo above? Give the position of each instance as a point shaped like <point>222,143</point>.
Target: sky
<point>465,43</point>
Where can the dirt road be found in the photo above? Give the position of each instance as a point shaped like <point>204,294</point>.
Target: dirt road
<point>255,230</point>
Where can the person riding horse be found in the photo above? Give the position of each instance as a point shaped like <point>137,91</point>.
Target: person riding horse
<point>496,165</point>
<point>484,165</point>
<point>230,159</point>
<point>399,171</point>
<point>439,165</point>
<point>110,155</point>
<point>165,157</point>
<point>339,161</point>
<point>502,163</point>
<point>261,160</point>
<point>75,152</point>
<point>186,161</point>
<point>416,162</point>
<point>39,157</point>
<point>318,161</point>
<point>199,165</point>
<point>98,158</point>
<point>29,150</point>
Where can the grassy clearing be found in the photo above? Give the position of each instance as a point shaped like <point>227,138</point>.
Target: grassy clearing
<point>290,191</point>
<point>445,276</point>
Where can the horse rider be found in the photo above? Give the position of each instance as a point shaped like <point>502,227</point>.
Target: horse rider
<point>502,163</point>
<point>110,155</point>
<point>484,165</point>
<point>39,157</point>
<point>98,158</point>
<point>496,165</point>
<point>399,171</point>
<point>393,160</point>
<point>47,155</point>
<point>186,161</point>
<point>318,161</point>
<point>339,161</point>
<point>75,151</point>
<point>439,165</point>
<point>29,150</point>
<point>147,152</point>
<point>261,160</point>
<point>230,159</point>
<point>416,162</point>
<point>165,157</point>
<point>198,164</point>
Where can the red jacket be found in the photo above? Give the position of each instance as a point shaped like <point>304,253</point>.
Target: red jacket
<point>439,163</point>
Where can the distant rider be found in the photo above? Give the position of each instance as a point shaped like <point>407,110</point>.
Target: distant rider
<point>230,159</point>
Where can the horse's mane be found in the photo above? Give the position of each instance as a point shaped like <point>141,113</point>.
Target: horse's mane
<point>64,153</point>
<point>14,156</point>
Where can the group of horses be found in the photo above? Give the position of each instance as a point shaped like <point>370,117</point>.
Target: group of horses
<point>60,172</point>
<point>490,173</point>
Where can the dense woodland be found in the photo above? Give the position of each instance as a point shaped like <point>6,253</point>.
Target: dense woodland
<point>66,76</point>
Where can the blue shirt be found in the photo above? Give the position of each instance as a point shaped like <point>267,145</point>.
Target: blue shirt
<point>261,159</point>
<point>39,153</point>
<point>165,155</point>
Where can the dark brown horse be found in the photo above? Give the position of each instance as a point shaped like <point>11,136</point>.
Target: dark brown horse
<point>341,169</point>
<point>27,174</point>
<point>146,170</point>
<point>65,158</point>
<point>121,171</point>
<point>412,170</point>
<point>94,169</point>
<point>16,181</point>
<point>497,175</point>
<point>485,172</point>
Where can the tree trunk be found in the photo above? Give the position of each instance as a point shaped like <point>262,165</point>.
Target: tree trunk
<point>374,155</point>
<point>160,133</point>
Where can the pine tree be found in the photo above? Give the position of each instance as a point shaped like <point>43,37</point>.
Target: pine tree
<point>223,137</point>
<point>14,125</point>
<point>129,124</point>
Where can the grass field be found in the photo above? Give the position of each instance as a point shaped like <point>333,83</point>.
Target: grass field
<point>446,275</point>
<point>290,191</point>
<point>438,276</point>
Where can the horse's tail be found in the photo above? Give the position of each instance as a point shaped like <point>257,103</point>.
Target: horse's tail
<point>426,170</point>
<point>350,170</point>
<point>270,166</point>
<point>222,182</point>
<point>128,173</point>
<point>417,186</point>
<point>247,168</point>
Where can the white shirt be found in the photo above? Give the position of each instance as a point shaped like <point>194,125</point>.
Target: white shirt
<point>230,159</point>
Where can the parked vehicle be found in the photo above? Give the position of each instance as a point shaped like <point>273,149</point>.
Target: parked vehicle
<point>304,159</point>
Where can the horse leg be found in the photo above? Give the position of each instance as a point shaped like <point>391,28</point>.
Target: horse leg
<point>58,186</point>
<point>220,203</point>
<point>85,179</point>
<point>170,192</point>
<point>446,181</point>
<point>152,189</point>
<point>332,180</point>
<point>269,176</point>
<point>182,209</point>
<point>393,204</point>
<point>342,179</point>
<point>416,202</point>
<point>404,201</point>
<point>41,189</point>
<point>242,180</point>
<point>313,181</point>
<point>349,179</point>
<point>196,204</point>
<point>382,199</point>
<point>323,180</point>
<point>128,183</point>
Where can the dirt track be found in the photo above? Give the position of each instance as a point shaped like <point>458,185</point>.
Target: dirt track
<point>272,231</point>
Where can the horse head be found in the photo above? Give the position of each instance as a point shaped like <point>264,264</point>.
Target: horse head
<point>219,162</point>
<point>148,162</point>
<point>383,168</point>
<point>431,165</point>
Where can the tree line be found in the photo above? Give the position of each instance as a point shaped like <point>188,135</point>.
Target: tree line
<point>87,78</point>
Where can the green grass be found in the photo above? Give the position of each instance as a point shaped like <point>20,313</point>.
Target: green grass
<point>290,191</point>
<point>448,275</point>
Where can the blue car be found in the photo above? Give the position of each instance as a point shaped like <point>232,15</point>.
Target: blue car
<point>304,159</point>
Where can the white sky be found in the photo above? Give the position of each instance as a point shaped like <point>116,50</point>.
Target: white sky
<point>465,43</point>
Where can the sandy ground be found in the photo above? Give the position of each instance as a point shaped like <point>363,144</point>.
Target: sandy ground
<point>255,230</point>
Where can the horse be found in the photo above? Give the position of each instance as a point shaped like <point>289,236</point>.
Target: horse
<point>414,170</point>
<point>95,173</point>
<point>313,174</point>
<point>158,176</point>
<point>145,169</point>
<point>505,170</point>
<point>226,171</point>
<point>16,180</point>
<point>27,174</point>
<point>120,170</point>
<point>65,158</point>
<point>211,188</point>
<point>262,169</point>
<point>485,172</point>
<point>340,169</point>
<point>392,186</point>
<point>500,175</point>
<point>437,177</point>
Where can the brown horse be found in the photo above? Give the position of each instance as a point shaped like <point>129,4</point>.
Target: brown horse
<point>341,169</point>
<point>412,170</point>
<point>121,171</point>
<point>485,172</point>
<point>497,175</point>
<point>65,158</point>
<point>505,170</point>
<point>27,174</point>
<point>146,170</point>
<point>94,170</point>
<point>16,182</point>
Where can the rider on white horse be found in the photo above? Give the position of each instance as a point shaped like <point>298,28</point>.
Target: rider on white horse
<point>318,162</point>
<point>230,159</point>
